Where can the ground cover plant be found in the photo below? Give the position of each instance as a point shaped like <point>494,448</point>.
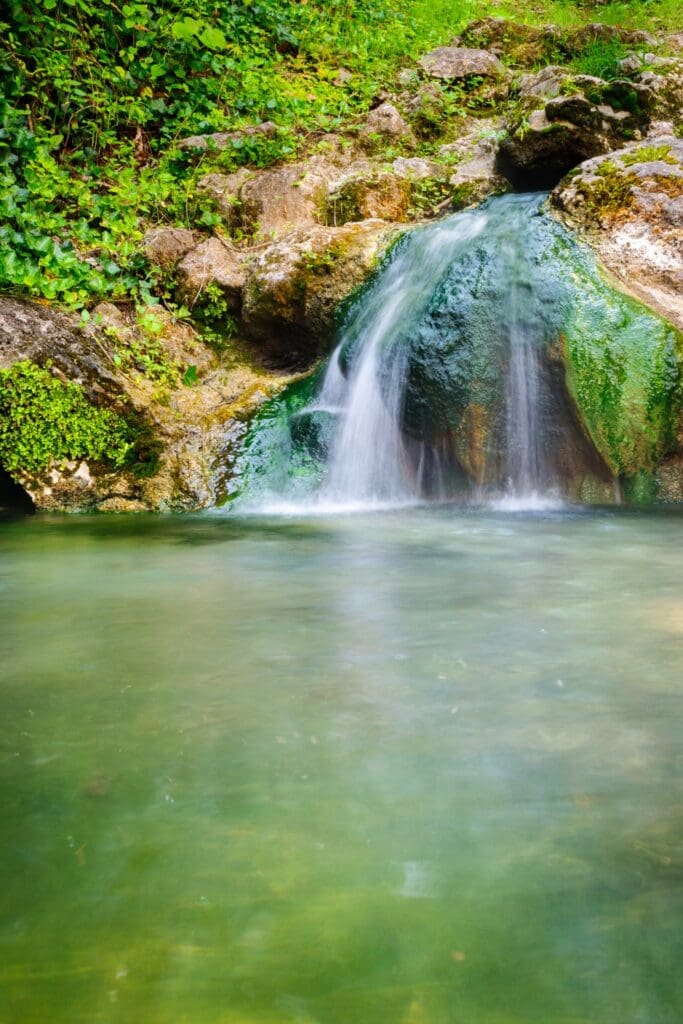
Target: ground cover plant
<point>96,94</point>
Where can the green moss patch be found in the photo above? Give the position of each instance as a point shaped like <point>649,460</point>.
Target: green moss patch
<point>45,420</point>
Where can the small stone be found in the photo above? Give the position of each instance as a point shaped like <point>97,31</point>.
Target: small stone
<point>454,62</point>
<point>165,247</point>
<point>385,120</point>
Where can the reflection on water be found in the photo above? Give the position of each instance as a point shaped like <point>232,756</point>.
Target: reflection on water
<point>421,767</point>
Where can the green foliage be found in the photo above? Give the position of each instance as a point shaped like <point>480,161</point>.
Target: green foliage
<point>43,419</point>
<point>146,354</point>
<point>96,93</point>
<point>601,58</point>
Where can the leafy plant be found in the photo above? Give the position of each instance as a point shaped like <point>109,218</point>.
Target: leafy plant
<point>45,420</point>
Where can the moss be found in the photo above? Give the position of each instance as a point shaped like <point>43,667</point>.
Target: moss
<point>622,370</point>
<point>45,420</point>
<point>609,193</point>
<point>641,489</point>
<point>646,154</point>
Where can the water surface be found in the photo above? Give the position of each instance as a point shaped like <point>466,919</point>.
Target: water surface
<point>416,767</point>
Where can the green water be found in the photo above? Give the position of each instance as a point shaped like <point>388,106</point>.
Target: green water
<point>420,767</point>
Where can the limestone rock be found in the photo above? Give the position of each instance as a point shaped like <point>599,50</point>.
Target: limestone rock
<point>296,286</point>
<point>165,246</point>
<point>192,430</point>
<point>583,117</point>
<point>386,121</point>
<point>225,191</point>
<point>544,84</point>
<point>457,62</point>
<point>222,140</point>
<point>212,262</point>
<point>476,174</point>
<point>278,201</point>
<point>416,168</point>
<point>629,205</point>
<point>383,196</point>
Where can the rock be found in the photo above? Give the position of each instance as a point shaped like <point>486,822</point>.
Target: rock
<point>585,118</point>
<point>278,201</point>
<point>629,205</point>
<point>225,190</point>
<point>416,168</point>
<point>222,140</point>
<point>457,62</point>
<point>476,175</point>
<point>187,435</point>
<point>383,196</point>
<point>428,109</point>
<point>575,41</point>
<point>296,286</point>
<point>343,77</point>
<point>500,36</point>
<point>544,85</point>
<point>211,263</point>
<point>386,122</point>
<point>408,78</point>
<point>165,247</point>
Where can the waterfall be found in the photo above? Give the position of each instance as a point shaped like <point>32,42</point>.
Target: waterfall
<point>369,460</point>
<point>444,380</point>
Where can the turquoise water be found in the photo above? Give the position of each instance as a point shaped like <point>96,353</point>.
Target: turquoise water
<point>420,767</point>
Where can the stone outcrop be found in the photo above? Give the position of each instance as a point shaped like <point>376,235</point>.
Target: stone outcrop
<point>165,246</point>
<point>186,433</point>
<point>296,286</point>
<point>560,121</point>
<point>222,140</point>
<point>213,262</point>
<point>629,205</point>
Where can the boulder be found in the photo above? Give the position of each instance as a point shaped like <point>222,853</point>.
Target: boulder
<point>476,175</point>
<point>213,262</point>
<point>629,206</point>
<point>165,246</point>
<point>457,62</point>
<point>184,437</point>
<point>383,196</point>
<point>225,190</point>
<point>296,286</point>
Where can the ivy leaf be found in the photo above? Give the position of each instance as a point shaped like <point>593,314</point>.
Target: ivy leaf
<point>214,38</point>
<point>186,29</point>
<point>190,376</point>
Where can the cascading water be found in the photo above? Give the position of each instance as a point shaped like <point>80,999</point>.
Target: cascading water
<point>369,457</point>
<point>460,372</point>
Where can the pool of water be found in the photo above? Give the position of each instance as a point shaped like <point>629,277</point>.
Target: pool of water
<point>416,767</point>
